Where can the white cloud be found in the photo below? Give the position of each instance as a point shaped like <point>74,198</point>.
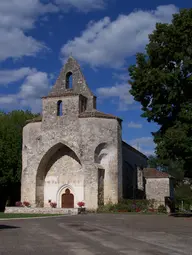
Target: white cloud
<point>134,125</point>
<point>148,152</point>
<point>15,44</point>
<point>122,77</point>
<point>109,43</point>
<point>17,16</point>
<point>143,144</point>
<point>22,14</point>
<point>9,76</point>
<point>81,5</point>
<point>119,91</point>
<point>36,84</point>
<point>143,141</point>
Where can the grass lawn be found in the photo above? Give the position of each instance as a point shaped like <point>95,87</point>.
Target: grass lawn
<point>23,215</point>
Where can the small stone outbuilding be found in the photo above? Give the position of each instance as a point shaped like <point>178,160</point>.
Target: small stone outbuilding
<point>73,152</point>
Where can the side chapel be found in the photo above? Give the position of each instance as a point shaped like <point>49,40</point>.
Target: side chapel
<point>74,152</point>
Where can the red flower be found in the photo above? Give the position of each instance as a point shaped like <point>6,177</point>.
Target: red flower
<point>25,203</point>
<point>53,204</point>
<point>81,204</point>
<point>19,204</point>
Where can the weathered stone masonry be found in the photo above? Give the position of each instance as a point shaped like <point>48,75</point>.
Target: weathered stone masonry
<point>75,152</point>
<point>67,151</point>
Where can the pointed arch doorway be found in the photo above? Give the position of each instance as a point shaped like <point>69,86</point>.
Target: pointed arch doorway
<point>67,199</point>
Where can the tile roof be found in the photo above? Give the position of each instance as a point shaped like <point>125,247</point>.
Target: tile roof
<point>154,173</point>
<point>97,114</point>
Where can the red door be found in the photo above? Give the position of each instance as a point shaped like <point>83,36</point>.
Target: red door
<point>67,199</point>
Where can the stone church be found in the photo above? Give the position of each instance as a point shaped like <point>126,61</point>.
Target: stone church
<point>74,152</point>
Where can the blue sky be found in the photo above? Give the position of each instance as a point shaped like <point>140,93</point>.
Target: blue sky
<point>36,37</point>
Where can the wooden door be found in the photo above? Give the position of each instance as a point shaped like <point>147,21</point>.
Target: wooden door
<point>67,199</point>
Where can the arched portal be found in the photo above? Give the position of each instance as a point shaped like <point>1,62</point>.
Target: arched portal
<point>67,199</point>
<point>100,153</point>
<point>57,167</point>
<point>104,156</point>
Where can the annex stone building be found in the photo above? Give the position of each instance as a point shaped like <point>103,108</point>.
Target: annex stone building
<point>74,152</point>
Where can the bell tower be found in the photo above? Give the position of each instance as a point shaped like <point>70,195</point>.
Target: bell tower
<point>69,97</point>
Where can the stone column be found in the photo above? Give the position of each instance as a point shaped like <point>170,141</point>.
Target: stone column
<point>91,186</point>
<point>28,186</point>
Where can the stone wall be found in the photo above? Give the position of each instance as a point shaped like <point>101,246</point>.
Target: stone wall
<point>132,160</point>
<point>82,137</point>
<point>30,210</point>
<point>61,151</point>
<point>158,189</point>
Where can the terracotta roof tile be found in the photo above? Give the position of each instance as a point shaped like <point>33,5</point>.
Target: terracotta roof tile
<point>154,173</point>
<point>98,114</point>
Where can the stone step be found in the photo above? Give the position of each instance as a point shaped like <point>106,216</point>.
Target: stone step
<point>36,210</point>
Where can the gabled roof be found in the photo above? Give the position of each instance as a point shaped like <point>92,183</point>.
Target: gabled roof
<point>79,85</point>
<point>133,149</point>
<point>154,173</point>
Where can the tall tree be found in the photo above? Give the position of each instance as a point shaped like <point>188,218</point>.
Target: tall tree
<point>161,82</point>
<point>11,126</point>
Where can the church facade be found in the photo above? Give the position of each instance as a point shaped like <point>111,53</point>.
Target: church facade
<point>74,152</point>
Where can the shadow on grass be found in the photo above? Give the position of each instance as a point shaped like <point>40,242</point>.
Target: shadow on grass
<point>184,215</point>
<point>7,227</point>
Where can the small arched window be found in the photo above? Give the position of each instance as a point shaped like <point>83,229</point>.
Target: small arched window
<point>59,108</point>
<point>69,80</point>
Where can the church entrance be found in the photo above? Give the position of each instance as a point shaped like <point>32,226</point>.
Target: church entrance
<point>67,199</point>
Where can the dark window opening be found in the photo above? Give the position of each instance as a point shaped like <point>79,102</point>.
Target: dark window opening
<point>83,104</point>
<point>59,108</point>
<point>69,80</point>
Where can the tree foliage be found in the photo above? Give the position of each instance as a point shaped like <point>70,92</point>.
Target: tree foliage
<point>173,168</point>
<point>11,126</point>
<point>161,82</point>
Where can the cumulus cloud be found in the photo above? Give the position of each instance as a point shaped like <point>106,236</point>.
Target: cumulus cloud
<point>134,125</point>
<point>15,18</point>
<point>35,85</point>
<point>9,76</point>
<point>119,92</point>
<point>22,14</point>
<point>109,43</point>
<point>81,5</point>
<point>18,16</point>
<point>15,44</point>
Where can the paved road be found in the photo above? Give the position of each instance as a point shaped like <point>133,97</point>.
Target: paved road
<point>97,234</point>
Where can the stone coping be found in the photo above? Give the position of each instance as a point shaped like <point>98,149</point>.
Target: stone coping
<point>36,210</point>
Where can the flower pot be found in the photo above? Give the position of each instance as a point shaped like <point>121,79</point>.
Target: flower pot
<point>81,210</point>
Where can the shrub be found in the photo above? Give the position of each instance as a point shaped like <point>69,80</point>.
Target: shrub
<point>53,204</point>
<point>127,205</point>
<point>27,204</point>
<point>19,204</point>
<point>81,204</point>
<point>161,209</point>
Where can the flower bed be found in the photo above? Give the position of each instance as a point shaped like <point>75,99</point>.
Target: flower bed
<point>136,206</point>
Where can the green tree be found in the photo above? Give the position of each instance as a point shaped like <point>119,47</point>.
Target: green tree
<point>174,168</point>
<point>161,82</point>
<point>11,126</point>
